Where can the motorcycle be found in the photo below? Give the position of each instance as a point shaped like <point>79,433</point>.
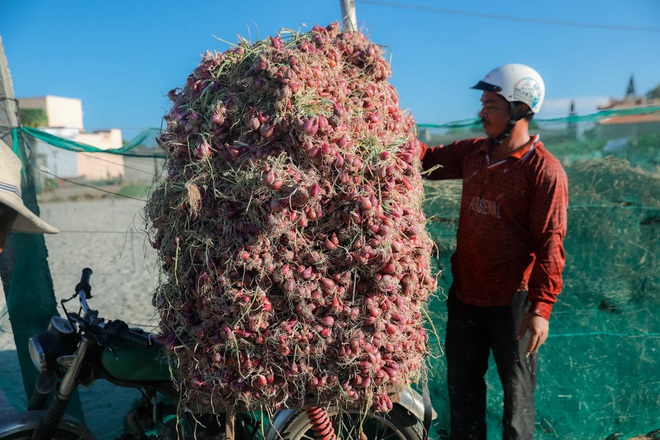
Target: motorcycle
<point>82,347</point>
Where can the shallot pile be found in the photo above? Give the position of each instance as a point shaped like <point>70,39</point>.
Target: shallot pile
<point>295,258</point>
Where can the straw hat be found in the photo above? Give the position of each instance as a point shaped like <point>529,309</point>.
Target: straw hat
<point>10,194</point>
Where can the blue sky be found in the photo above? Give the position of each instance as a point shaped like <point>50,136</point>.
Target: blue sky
<point>122,57</point>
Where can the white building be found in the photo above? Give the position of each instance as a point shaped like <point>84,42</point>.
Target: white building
<point>65,120</point>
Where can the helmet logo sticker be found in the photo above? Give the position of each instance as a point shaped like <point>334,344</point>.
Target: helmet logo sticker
<point>528,91</point>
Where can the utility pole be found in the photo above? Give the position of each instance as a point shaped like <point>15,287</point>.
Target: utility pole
<point>8,106</point>
<point>349,18</point>
<point>8,120</point>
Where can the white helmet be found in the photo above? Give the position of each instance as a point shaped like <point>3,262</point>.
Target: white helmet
<point>515,83</point>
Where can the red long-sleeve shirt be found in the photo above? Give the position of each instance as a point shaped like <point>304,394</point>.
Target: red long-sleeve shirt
<point>512,222</point>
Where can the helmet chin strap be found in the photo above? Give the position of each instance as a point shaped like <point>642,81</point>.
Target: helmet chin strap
<point>515,117</point>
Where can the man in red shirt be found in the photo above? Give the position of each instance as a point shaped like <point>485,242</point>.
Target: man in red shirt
<point>509,253</point>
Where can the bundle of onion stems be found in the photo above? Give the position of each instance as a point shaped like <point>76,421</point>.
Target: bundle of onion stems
<point>295,258</point>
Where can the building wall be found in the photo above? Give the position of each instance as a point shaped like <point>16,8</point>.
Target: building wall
<point>71,165</point>
<point>55,161</point>
<point>65,120</point>
<point>142,169</point>
<point>101,166</point>
<point>61,112</point>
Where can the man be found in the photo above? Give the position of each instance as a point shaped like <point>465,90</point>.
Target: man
<point>509,253</point>
<point>14,215</point>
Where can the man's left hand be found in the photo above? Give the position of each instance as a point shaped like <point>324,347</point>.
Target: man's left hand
<point>538,328</point>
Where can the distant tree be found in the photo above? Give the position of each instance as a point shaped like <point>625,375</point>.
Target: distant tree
<point>34,117</point>
<point>655,93</point>
<point>630,91</point>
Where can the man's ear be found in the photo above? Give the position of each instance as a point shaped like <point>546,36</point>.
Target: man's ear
<point>523,111</point>
<point>522,108</point>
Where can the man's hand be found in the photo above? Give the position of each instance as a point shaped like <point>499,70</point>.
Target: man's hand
<point>538,331</point>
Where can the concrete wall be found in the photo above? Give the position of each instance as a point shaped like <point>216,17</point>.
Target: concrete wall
<point>55,161</point>
<point>71,165</point>
<point>101,166</point>
<point>61,112</point>
<point>142,169</point>
<point>65,119</point>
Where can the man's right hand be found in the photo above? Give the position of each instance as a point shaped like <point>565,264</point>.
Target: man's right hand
<point>538,328</point>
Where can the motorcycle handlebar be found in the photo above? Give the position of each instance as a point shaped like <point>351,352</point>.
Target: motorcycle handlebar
<point>86,275</point>
<point>122,332</point>
<point>136,338</point>
<point>114,329</point>
<point>84,289</point>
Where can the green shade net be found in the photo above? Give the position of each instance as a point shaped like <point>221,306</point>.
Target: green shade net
<point>599,371</point>
<point>29,297</point>
<point>143,145</point>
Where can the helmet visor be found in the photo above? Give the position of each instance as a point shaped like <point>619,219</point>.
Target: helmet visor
<point>486,87</point>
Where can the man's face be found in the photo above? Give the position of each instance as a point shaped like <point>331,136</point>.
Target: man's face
<point>7,218</point>
<point>495,113</point>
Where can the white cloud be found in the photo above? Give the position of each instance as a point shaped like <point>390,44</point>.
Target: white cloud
<point>560,107</point>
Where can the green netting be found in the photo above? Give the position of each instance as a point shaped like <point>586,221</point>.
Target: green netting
<point>594,117</point>
<point>562,129</point>
<point>143,145</point>
<point>599,372</point>
<point>30,301</point>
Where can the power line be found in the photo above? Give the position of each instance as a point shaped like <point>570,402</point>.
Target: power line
<point>92,156</point>
<point>511,17</point>
<point>91,186</point>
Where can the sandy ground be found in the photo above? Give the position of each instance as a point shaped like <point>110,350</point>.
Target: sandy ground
<point>108,236</point>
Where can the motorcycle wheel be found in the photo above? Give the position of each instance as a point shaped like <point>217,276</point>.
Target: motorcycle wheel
<point>21,426</point>
<point>397,424</point>
<point>60,434</point>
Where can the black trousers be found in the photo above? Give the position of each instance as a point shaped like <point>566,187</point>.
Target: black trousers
<point>472,332</point>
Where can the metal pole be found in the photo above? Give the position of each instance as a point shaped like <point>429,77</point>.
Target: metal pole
<point>349,18</point>
<point>8,120</point>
